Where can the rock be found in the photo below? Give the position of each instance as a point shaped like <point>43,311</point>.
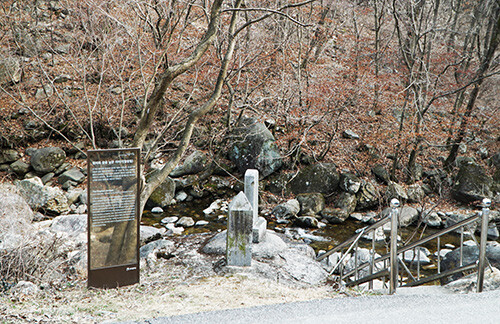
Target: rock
<point>156,249</point>
<point>163,195</point>
<point>8,156</point>
<point>306,222</point>
<point>368,196</point>
<point>311,203</point>
<point>84,196</point>
<point>346,202</point>
<point>47,159</point>
<point>157,210</point>
<point>365,218</point>
<point>253,147</point>
<point>452,219</point>
<point>395,190</point>
<point>194,163</point>
<point>20,167</point>
<point>302,268</point>
<point>298,233</point>
<point>493,233</point>
<point>181,196</point>
<point>15,219</point>
<point>495,160</point>
<point>421,254</point>
<point>47,177</point>
<point>269,248</point>
<point>471,184</point>
<point>38,196</point>
<point>149,232</point>
<point>378,235</point>
<point>185,222</point>
<point>25,288</point>
<point>219,204</point>
<point>73,174</point>
<point>381,173</point>
<point>201,223</point>
<point>320,177</point>
<point>431,218</point>
<point>470,255</point>
<point>334,215</point>
<point>349,183</point>
<point>415,194</point>
<point>73,195</point>
<point>277,184</point>
<point>407,215</point>
<point>168,220</point>
<point>363,255</point>
<point>64,167</point>
<point>68,185</point>
<point>468,284</point>
<point>349,134</point>
<point>10,70</point>
<point>46,91</point>
<point>287,210</point>
<point>72,225</point>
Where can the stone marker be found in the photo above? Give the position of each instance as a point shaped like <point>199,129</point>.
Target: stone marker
<point>239,232</point>
<point>252,194</point>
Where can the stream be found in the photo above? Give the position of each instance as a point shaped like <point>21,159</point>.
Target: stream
<point>320,239</point>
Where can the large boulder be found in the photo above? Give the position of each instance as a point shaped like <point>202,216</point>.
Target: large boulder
<point>321,177</point>
<point>471,184</point>
<point>193,164</point>
<point>287,210</point>
<point>350,183</point>
<point>39,197</point>
<point>347,202</point>
<point>470,255</point>
<point>268,248</point>
<point>163,195</point>
<point>334,215</point>
<point>395,190</point>
<point>368,196</point>
<point>381,173</point>
<point>47,159</point>
<point>407,215</point>
<point>311,203</point>
<point>253,147</point>
<point>15,218</point>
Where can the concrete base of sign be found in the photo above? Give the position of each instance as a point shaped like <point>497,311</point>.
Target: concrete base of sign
<point>259,230</point>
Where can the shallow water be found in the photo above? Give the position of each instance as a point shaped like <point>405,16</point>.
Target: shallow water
<point>334,234</point>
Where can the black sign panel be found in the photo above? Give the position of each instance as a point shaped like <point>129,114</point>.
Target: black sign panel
<point>113,217</point>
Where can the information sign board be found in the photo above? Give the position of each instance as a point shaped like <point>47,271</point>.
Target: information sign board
<point>113,217</point>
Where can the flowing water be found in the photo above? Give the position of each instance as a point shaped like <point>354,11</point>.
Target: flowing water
<point>320,239</point>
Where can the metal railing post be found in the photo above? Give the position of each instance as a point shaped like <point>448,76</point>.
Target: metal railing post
<point>394,247</point>
<point>482,247</point>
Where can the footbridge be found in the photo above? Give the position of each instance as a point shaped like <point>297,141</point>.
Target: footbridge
<point>401,264</point>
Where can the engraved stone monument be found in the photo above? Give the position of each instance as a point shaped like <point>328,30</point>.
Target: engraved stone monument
<point>239,232</point>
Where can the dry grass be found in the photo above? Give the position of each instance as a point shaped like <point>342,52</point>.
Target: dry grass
<point>161,293</point>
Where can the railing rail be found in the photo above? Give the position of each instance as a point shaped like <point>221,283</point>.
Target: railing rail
<point>392,271</point>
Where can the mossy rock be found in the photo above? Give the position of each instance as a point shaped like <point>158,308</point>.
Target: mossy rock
<point>471,184</point>
<point>321,177</point>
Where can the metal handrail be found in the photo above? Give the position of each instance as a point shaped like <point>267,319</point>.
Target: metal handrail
<point>395,251</point>
<point>421,241</point>
<point>354,237</point>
